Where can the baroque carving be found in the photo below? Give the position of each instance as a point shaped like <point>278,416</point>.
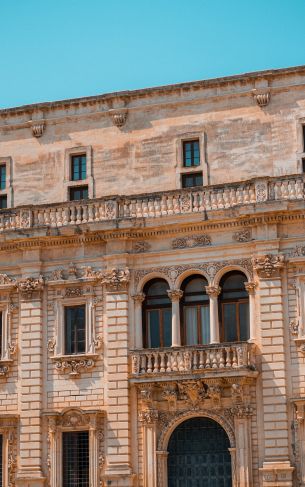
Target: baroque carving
<point>6,280</point>
<point>191,241</point>
<point>298,251</point>
<point>242,411</point>
<point>209,268</point>
<point>57,275</point>
<point>294,327</point>
<point>38,128</point>
<point>262,98</point>
<point>116,279</point>
<point>12,457</point>
<point>51,345</point>
<point>243,236</point>
<point>268,265</point>
<point>74,365</point>
<point>148,416</point>
<point>73,292</point>
<point>29,285</point>
<point>192,391</point>
<point>138,298</point>
<point>72,271</point>
<point>213,291</point>
<point>175,294</point>
<point>119,117</point>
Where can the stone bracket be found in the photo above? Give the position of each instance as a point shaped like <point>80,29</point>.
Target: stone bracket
<point>75,364</point>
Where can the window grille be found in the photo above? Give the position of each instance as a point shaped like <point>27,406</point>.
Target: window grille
<point>76,459</point>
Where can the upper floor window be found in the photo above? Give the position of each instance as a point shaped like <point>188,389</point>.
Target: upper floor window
<point>3,201</point>
<point>75,329</point>
<point>195,311</point>
<point>191,153</point>
<point>78,167</point>
<point>191,179</point>
<point>157,315</point>
<point>303,133</point>
<point>2,176</point>
<point>234,308</point>
<point>75,459</point>
<point>78,193</point>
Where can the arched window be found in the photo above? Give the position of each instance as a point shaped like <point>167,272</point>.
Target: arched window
<point>157,315</point>
<point>195,312</point>
<point>233,308</point>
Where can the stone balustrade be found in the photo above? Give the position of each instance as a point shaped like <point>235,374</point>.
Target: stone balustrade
<point>155,205</point>
<point>187,359</point>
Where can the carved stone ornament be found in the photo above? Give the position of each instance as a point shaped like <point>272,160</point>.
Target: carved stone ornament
<point>237,393</point>
<point>250,287</point>
<point>73,292</point>
<point>73,419</point>
<point>192,391</point>
<point>191,241</point>
<point>262,98</point>
<point>51,345</point>
<point>30,284</point>
<point>57,275</point>
<point>74,365</point>
<point>119,117</point>
<point>138,298</point>
<point>72,271</point>
<point>298,251</point>
<point>242,411</point>
<point>148,416</point>
<point>269,265</point>
<point>90,273</point>
<point>38,128</point>
<point>116,279</point>
<point>175,294</point>
<point>243,236</point>
<point>5,280</point>
<point>294,327</point>
<point>12,457</point>
<point>140,246</point>
<point>213,291</point>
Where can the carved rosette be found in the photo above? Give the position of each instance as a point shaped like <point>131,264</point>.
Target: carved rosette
<point>119,117</point>
<point>29,285</point>
<point>268,266</point>
<point>175,294</point>
<point>213,291</point>
<point>116,279</point>
<point>74,366</point>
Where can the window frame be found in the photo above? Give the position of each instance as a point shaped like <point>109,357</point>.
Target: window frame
<point>192,174</point>
<point>65,431</point>
<point>158,307</point>
<point>201,136</point>
<point>8,190</point>
<point>198,304</point>
<point>184,142</point>
<point>74,345</point>
<point>89,181</point>
<point>78,187</point>
<point>72,159</point>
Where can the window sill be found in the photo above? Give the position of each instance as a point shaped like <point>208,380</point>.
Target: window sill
<point>5,366</point>
<point>75,364</point>
<point>300,344</point>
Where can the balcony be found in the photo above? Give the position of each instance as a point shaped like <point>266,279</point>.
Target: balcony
<point>155,205</point>
<point>217,360</point>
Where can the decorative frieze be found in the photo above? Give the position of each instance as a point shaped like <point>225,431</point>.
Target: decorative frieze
<point>191,241</point>
<point>140,246</point>
<point>29,285</point>
<point>116,279</point>
<point>148,416</point>
<point>38,128</point>
<point>268,266</point>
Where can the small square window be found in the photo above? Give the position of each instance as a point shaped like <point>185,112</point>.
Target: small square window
<point>78,193</point>
<point>78,167</point>
<point>75,456</point>
<point>2,176</point>
<point>192,179</point>
<point>3,201</point>
<point>75,329</point>
<point>191,153</point>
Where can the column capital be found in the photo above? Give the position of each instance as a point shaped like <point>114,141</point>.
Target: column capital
<point>250,287</point>
<point>175,294</point>
<point>213,291</point>
<point>138,298</point>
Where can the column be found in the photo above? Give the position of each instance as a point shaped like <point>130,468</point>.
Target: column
<point>250,288</point>
<point>233,466</point>
<point>52,452</point>
<point>149,418</point>
<point>213,293</point>
<point>162,468</point>
<point>243,457</point>
<point>30,472</point>
<point>138,328</point>
<point>175,295</point>
<point>94,451</point>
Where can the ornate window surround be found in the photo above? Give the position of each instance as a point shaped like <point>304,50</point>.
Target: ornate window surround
<point>72,293</point>
<point>8,191</point>
<point>75,419</point>
<point>7,285</point>
<point>8,429</point>
<point>297,326</point>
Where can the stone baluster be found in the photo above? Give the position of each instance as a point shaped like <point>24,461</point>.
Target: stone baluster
<point>299,189</point>
<point>138,300</point>
<point>78,214</point>
<point>239,195</point>
<point>285,192</point>
<point>90,213</point>
<point>175,295</point>
<point>85,213</point>
<point>213,293</point>
<point>145,208</point>
<point>250,287</point>
<point>157,206</point>
<point>291,190</point>
<point>164,205</point>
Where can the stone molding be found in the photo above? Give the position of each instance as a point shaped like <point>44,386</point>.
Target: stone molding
<point>268,266</point>
<point>191,241</point>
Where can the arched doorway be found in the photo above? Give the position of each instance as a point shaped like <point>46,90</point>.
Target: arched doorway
<point>198,455</point>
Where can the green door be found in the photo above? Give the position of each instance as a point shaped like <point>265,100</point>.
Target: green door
<point>198,455</point>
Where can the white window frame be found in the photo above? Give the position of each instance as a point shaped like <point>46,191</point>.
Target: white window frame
<point>68,183</point>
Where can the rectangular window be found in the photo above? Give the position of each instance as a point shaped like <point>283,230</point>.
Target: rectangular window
<point>303,130</point>
<point>79,193</point>
<point>303,164</point>
<point>2,176</point>
<point>192,179</point>
<point>75,447</point>
<point>75,329</point>
<point>3,201</point>
<point>78,167</point>
<point>191,153</point>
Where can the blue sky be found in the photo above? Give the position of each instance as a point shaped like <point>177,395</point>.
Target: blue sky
<point>56,49</point>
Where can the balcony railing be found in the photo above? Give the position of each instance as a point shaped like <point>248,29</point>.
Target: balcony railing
<point>188,359</point>
<point>155,205</point>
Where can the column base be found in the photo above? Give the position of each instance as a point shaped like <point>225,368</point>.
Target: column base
<point>29,481</point>
<point>119,480</point>
<point>276,474</point>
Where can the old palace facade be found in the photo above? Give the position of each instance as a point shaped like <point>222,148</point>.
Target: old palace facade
<point>152,287</point>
